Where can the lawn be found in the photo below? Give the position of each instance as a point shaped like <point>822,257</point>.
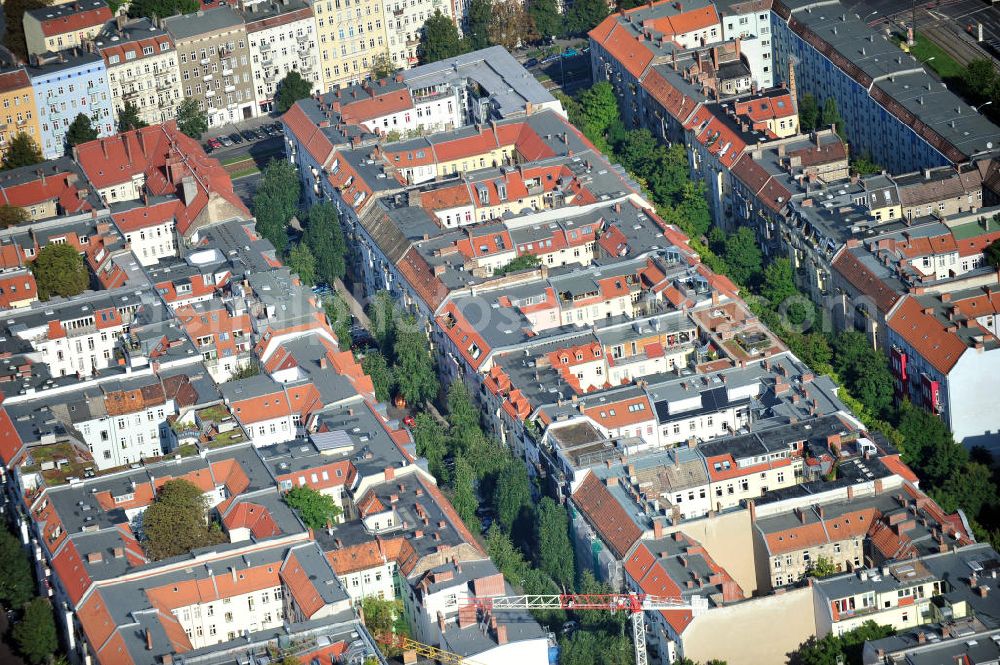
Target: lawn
<point>943,64</point>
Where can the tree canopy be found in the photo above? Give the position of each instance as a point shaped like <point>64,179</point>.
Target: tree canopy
<point>439,39</point>
<point>129,119</point>
<point>316,509</point>
<point>302,262</point>
<point>511,494</point>
<point>478,19</point>
<point>35,634</point>
<point>325,238</point>
<point>59,271</point>
<point>80,131</point>
<point>291,89</point>
<point>191,120</point>
<point>377,367</point>
<point>464,493</point>
<point>162,8</point>
<point>992,254</point>
<point>429,437</point>
<point>554,549</point>
<point>17,585</point>
<point>743,256</point>
<point>511,24</point>
<point>844,649</point>
<point>808,113</point>
<point>382,66</point>
<point>585,15</point>
<point>12,216</point>
<point>23,151</point>
<point>545,14</point>
<point>177,521</point>
<point>415,373</point>
<point>276,201</point>
<point>865,371</point>
<point>14,19</point>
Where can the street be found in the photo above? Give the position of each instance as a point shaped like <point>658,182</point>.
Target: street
<point>951,24</point>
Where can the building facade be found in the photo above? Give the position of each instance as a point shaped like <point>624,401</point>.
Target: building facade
<point>19,110</point>
<point>282,39</point>
<point>142,69</point>
<point>214,61</point>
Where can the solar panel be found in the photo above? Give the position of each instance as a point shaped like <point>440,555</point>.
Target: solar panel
<point>338,438</point>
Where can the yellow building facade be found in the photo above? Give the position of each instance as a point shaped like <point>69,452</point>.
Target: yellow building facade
<point>18,112</point>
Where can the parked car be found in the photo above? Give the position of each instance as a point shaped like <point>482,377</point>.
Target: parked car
<point>226,141</point>
<point>409,421</point>
<point>260,133</point>
<point>569,53</point>
<point>274,129</point>
<point>214,144</point>
<point>530,62</point>
<point>248,135</point>
<point>236,138</point>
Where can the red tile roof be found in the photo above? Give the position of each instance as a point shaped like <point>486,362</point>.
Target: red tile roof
<point>926,335</point>
<point>15,79</point>
<point>75,22</point>
<point>606,515</point>
<point>852,269</point>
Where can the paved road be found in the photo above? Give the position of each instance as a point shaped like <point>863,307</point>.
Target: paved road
<point>246,187</point>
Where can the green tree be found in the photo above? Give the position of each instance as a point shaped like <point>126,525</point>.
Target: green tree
<point>153,9</point>
<point>865,371</point>
<point>743,256</point>
<point>382,66</point>
<point>177,521</point>
<point>276,201</point>
<point>822,567</point>
<point>253,369</point>
<point>80,131</point>
<point>382,314</point>
<point>545,14</point>
<point>813,349</point>
<point>339,316</point>
<point>971,489</point>
<point>291,89</point>
<point>463,416</point>
<point>35,634</point>
<point>865,165</point>
<point>414,366</point>
<point>16,582</point>
<point>928,446</point>
<point>14,18</point>
<point>375,365</point>
<point>439,39</point>
<point>779,283</point>
<point>191,120</point>
<point>317,510</point>
<point>831,116</point>
<point>992,253</point>
<point>129,119</point>
<point>429,437</point>
<point>324,236</point>
<point>302,262</point>
<point>23,151</point>
<point>979,78</point>
<point>808,113</point>
<point>600,107</point>
<point>464,495</point>
<point>523,262</point>
<point>554,549</point>
<point>478,19</point>
<point>59,271</point>
<point>382,616</point>
<point>511,494</point>
<point>585,15</point>
<point>12,216</point>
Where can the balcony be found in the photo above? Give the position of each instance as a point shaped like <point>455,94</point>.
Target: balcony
<point>227,72</point>
<point>22,122</point>
<point>207,77</point>
<point>164,84</point>
<point>265,46</point>
<point>204,61</point>
<point>230,88</point>
<point>209,94</point>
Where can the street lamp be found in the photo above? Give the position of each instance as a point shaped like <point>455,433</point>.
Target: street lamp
<point>976,108</point>
<point>869,15</point>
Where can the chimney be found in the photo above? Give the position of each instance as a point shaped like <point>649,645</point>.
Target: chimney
<point>501,634</point>
<point>983,591</point>
<point>189,189</point>
<point>792,88</point>
<point>390,473</point>
<point>149,640</point>
<point>441,621</point>
<point>657,529</point>
<point>921,637</point>
<point>801,514</point>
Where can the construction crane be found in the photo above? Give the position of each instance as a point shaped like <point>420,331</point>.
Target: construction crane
<point>636,604</point>
<point>405,643</point>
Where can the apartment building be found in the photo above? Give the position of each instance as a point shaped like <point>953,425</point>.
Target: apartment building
<point>944,587</point>
<point>59,190</point>
<point>64,26</point>
<point>221,334</point>
<point>142,68</point>
<point>20,110</point>
<point>350,35</point>
<point>282,38</point>
<point>893,109</point>
<point>214,61</point>
<point>943,352</point>
<point>17,282</point>
<point>67,84</point>
<point>404,21</point>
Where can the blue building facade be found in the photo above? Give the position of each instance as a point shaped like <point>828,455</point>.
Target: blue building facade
<point>891,108</point>
<point>67,84</point>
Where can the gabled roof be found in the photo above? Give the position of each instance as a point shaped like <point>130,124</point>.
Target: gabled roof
<point>606,515</point>
<point>926,335</point>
